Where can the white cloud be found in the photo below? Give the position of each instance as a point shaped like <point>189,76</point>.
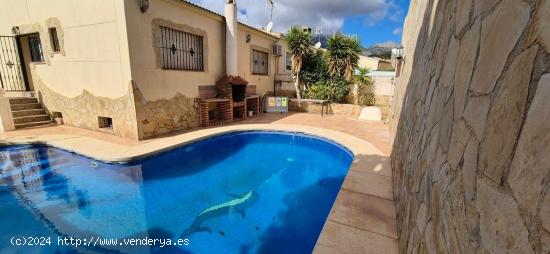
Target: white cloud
<point>396,15</point>
<point>386,44</point>
<point>328,14</point>
<point>397,31</point>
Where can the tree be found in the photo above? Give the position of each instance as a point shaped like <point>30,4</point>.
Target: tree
<point>299,43</point>
<point>314,69</point>
<point>361,76</point>
<point>365,88</point>
<point>343,55</point>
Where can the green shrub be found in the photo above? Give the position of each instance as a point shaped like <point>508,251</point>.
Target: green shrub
<point>334,90</point>
<point>365,95</point>
<point>326,74</point>
<point>315,68</point>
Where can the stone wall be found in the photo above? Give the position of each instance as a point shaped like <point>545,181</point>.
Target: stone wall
<point>349,110</point>
<point>83,110</point>
<point>471,128</point>
<point>164,116</point>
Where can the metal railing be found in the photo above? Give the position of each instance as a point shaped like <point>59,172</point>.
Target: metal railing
<point>11,68</point>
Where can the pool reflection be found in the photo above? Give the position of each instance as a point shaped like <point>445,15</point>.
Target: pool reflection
<point>58,189</point>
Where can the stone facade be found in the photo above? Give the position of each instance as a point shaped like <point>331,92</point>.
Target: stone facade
<point>163,116</point>
<point>470,128</point>
<point>109,64</point>
<point>133,116</point>
<point>83,111</point>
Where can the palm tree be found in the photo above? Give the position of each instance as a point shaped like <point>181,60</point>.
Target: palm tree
<point>299,43</point>
<point>343,55</point>
<point>365,88</point>
<point>361,75</point>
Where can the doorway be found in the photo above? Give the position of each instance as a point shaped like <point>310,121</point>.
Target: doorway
<point>16,55</point>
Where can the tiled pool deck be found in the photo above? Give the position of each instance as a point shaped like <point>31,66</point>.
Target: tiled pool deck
<point>362,219</point>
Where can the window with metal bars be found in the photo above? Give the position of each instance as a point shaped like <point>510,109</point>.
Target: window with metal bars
<point>35,47</point>
<point>260,62</point>
<point>54,40</point>
<point>180,50</point>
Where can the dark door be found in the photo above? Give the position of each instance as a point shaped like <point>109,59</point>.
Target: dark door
<point>12,71</point>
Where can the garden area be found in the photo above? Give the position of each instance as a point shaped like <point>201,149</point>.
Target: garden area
<point>332,73</point>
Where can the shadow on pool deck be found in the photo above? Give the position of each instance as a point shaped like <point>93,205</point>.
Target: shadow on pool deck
<point>363,217</point>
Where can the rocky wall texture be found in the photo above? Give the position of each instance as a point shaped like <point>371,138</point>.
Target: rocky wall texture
<point>133,116</point>
<point>83,110</point>
<point>471,128</point>
<point>164,116</point>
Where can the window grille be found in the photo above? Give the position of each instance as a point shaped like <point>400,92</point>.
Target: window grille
<point>181,50</point>
<point>259,62</point>
<point>105,122</point>
<point>35,47</point>
<point>54,40</point>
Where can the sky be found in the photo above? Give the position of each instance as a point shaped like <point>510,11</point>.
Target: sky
<point>375,22</point>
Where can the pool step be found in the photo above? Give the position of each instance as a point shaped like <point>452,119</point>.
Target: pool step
<point>28,112</point>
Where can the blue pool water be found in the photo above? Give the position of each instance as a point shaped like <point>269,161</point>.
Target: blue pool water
<point>244,192</point>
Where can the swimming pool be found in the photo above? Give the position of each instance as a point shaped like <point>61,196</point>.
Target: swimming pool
<point>242,192</point>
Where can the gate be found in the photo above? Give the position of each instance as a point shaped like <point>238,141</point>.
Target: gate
<point>11,69</point>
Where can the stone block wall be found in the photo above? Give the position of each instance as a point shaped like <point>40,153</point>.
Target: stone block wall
<point>348,110</point>
<point>83,110</point>
<point>471,128</point>
<point>155,118</point>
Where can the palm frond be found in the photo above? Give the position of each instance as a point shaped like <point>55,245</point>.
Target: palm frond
<point>343,54</point>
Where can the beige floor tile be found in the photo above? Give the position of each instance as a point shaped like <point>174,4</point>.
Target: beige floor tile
<point>375,164</point>
<point>365,212</point>
<point>371,184</point>
<point>342,239</point>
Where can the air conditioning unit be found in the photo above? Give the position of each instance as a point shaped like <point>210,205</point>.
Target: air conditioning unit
<point>277,50</point>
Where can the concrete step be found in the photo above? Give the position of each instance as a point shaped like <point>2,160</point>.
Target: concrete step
<point>32,124</point>
<point>31,119</point>
<point>23,100</point>
<point>18,107</point>
<point>28,112</point>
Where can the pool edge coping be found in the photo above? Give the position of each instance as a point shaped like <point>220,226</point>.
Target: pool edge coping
<point>124,154</point>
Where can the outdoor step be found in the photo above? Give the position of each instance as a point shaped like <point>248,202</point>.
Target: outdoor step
<point>31,119</point>
<point>28,112</point>
<point>33,124</point>
<point>18,107</point>
<point>23,100</point>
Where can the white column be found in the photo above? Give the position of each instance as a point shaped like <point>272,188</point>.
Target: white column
<point>231,60</point>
